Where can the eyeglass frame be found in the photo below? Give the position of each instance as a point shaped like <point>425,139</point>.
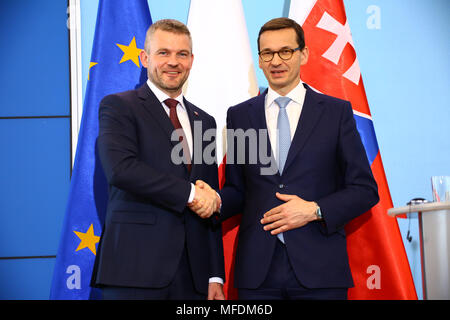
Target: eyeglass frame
<point>278,52</point>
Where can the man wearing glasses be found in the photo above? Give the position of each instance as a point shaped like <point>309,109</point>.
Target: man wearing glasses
<point>291,242</point>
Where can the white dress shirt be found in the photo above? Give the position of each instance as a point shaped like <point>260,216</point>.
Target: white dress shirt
<point>293,110</point>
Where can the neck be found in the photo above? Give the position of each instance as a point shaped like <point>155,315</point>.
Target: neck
<point>282,91</point>
<point>172,93</point>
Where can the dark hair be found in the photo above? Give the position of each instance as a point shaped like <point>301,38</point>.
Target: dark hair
<point>284,23</point>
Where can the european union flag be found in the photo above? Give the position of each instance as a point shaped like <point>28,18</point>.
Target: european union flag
<point>115,66</point>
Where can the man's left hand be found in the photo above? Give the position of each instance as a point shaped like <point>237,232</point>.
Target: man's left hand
<point>215,291</point>
<point>294,213</point>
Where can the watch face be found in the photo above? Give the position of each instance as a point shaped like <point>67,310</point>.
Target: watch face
<point>319,213</point>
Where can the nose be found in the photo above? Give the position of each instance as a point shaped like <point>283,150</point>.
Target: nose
<point>173,60</point>
<point>276,59</point>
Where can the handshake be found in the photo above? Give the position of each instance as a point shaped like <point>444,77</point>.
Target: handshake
<point>206,200</point>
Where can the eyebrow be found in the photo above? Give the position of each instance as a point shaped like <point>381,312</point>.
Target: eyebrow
<point>267,49</point>
<point>177,51</point>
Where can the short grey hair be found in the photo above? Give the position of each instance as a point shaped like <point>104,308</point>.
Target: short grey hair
<point>169,25</point>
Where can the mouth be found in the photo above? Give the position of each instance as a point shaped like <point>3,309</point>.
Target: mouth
<point>172,74</point>
<point>278,73</point>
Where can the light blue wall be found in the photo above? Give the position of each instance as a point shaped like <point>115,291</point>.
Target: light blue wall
<point>34,142</point>
<point>405,68</point>
<point>405,65</point>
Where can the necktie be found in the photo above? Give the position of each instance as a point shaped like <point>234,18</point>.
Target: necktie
<point>284,132</point>
<point>172,104</point>
<point>284,138</point>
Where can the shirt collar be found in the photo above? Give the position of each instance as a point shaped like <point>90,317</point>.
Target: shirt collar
<point>297,95</point>
<point>161,95</point>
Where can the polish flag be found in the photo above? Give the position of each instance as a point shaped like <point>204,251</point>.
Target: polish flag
<point>377,256</point>
<point>222,75</point>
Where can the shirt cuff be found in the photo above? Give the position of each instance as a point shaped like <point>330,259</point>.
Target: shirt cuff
<point>216,279</point>
<point>220,207</point>
<point>192,194</point>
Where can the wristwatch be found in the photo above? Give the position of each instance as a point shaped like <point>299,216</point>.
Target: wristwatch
<point>318,212</point>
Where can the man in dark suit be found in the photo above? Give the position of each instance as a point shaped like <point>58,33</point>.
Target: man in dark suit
<point>291,241</point>
<point>153,246</point>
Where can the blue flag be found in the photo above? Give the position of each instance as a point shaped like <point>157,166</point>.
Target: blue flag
<point>115,66</point>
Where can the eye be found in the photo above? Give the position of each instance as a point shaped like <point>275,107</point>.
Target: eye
<point>162,53</point>
<point>183,54</point>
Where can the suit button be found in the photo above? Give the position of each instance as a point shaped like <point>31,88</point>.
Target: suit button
<point>281,186</point>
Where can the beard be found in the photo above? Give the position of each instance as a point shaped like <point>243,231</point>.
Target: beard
<point>167,86</point>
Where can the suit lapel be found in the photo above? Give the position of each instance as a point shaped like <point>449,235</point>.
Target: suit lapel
<point>311,113</point>
<point>156,110</point>
<point>256,112</point>
<point>194,116</point>
<point>257,116</point>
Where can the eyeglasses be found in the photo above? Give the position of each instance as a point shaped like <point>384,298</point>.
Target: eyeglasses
<point>284,54</point>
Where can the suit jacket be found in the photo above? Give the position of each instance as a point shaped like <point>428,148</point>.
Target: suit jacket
<point>147,223</point>
<point>327,164</point>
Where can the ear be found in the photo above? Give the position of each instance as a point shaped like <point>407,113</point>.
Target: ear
<point>144,58</point>
<point>304,56</point>
<point>192,59</point>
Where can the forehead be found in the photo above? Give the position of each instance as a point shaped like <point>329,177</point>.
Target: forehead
<point>169,40</point>
<point>277,39</point>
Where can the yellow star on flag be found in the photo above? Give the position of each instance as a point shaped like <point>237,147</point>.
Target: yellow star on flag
<point>88,239</point>
<point>91,64</point>
<point>130,52</point>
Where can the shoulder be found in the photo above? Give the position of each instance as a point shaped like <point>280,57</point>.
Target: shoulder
<point>120,98</point>
<point>327,100</point>
<point>335,107</point>
<point>244,105</point>
<point>198,112</point>
<point>119,105</point>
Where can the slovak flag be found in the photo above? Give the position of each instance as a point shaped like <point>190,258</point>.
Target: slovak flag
<point>377,256</point>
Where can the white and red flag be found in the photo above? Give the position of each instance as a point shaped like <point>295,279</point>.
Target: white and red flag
<point>377,256</point>
<point>222,75</point>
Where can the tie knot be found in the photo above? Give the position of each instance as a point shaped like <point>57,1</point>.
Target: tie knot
<point>282,102</point>
<point>171,103</point>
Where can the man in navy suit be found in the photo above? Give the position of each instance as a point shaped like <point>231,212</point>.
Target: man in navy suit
<point>291,241</point>
<point>153,246</point>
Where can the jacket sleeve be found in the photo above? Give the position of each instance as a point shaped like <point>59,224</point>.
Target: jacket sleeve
<point>359,191</point>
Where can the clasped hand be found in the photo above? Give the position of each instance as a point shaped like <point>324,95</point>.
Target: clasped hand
<point>206,201</point>
<point>293,213</point>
